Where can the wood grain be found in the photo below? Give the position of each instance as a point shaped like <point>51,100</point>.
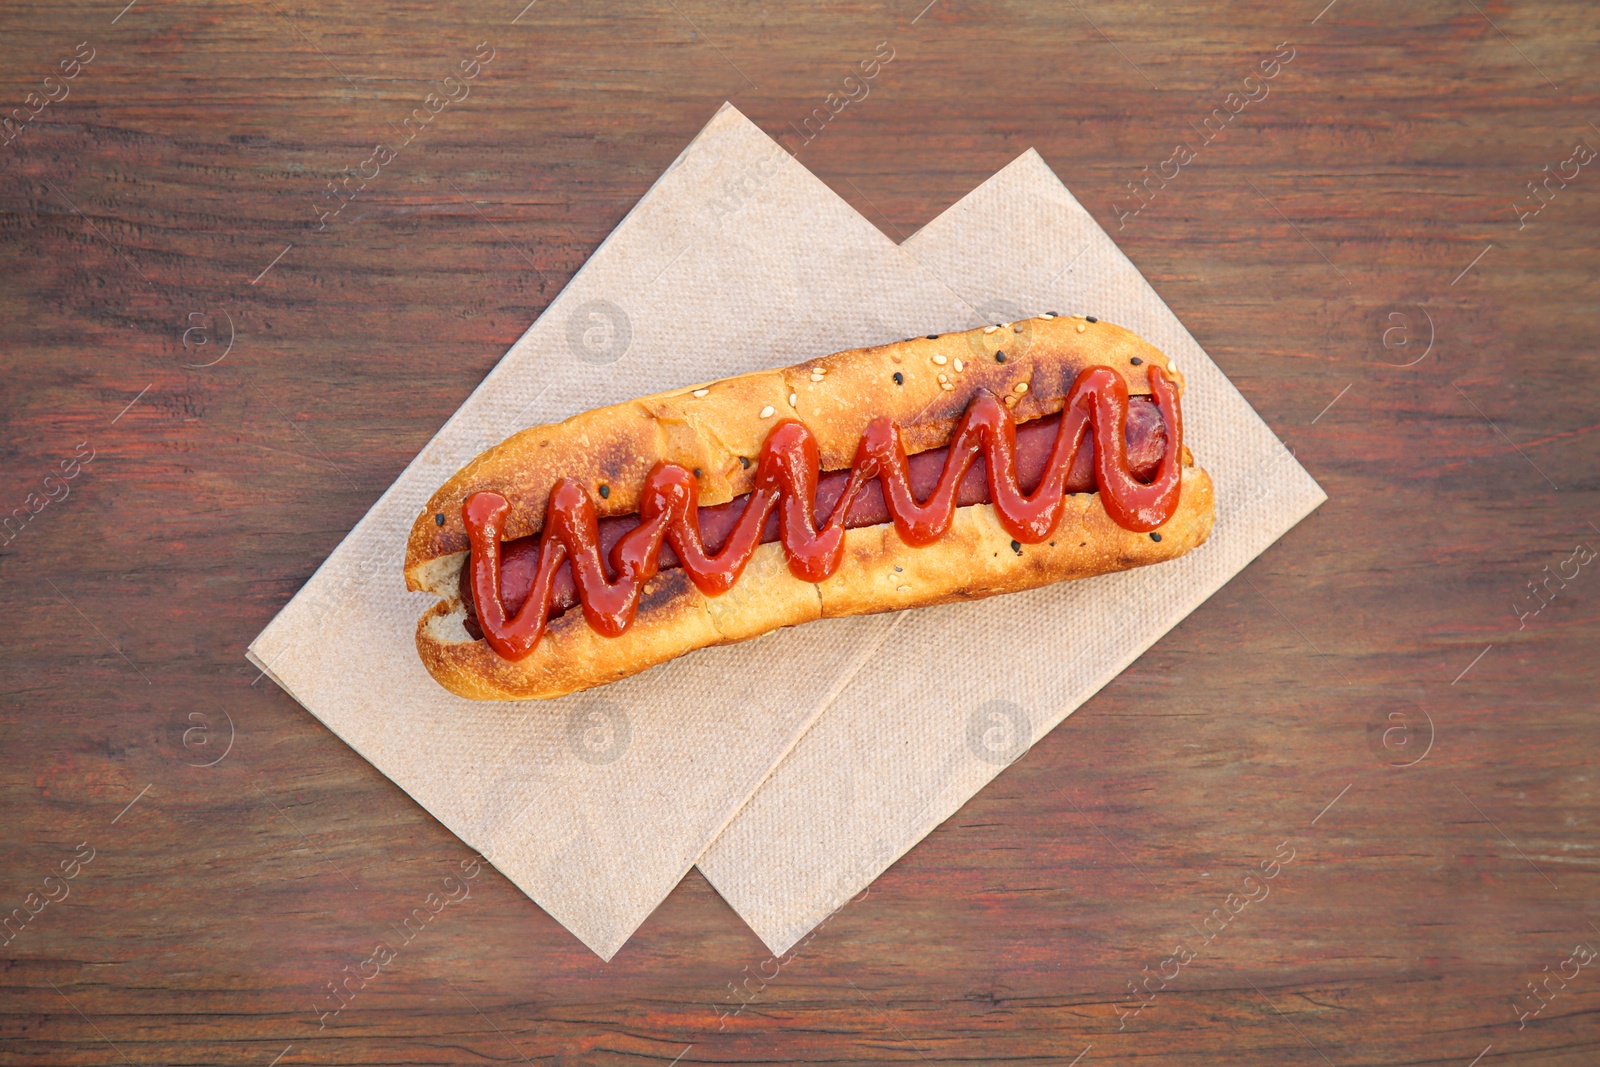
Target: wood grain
<point>194,149</point>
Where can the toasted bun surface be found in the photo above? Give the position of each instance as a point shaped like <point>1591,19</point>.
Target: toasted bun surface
<point>711,426</point>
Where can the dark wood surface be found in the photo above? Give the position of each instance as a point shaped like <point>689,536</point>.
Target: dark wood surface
<point>1457,862</point>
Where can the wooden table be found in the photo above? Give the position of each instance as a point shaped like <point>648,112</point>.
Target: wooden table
<point>1368,696</point>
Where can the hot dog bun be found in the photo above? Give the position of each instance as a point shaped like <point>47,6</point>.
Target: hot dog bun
<point>709,427</point>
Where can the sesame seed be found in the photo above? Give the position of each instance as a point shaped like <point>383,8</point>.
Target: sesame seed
<point>944,377</point>
<point>438,520</point>
<point>701,392</point>
<point>792,399</point>
<point>933,337</point>
<point>1017,328</point>
<point>1136,361</point>
<point>766,412</point>
<point>1081,327</point>
<point>1053,314</point>
<point>902,589</point>
<point>946,386</point>
<point>1011,401</point>
<point>1155,537</point>
<point>895,356</point>
<point>1048,315</point>
<point>999,357</point>
<point>990,329</point>
<point>940,360</point>
<point>605,491</point>
<point>744,461</point>
<point>1021,387</point>
<point>899,570</point>
<point>1090,318</point>
<point>899,379</point>
<point>959,366</point>
<point>1016,546</point>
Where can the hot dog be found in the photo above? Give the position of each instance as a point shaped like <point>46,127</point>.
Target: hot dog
<point>934,469</point>
<point>1146,442</point>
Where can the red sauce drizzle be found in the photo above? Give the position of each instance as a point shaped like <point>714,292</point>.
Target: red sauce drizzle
<point>786,480</point>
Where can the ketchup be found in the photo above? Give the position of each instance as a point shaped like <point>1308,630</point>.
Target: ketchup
<point>786,490</point>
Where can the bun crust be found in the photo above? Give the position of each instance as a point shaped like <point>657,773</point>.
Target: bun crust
<point>709,427</point>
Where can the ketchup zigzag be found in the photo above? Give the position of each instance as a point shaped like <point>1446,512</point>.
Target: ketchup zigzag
<point>786,479</point>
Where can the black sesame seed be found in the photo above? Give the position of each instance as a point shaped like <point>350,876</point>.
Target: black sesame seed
<point>1090,318</point>
<point>1155,537</point>
<point>1016,546</point>
<point>745,462</point>
<point>1055,314</point>
<point>933,337</point>
<point>899,570</point>
<point>697,472</point>
<point>899,379</point>
<point>605,491</point>
<point>999,357</point>
<point>438,520</point>
<point>1136,361</point>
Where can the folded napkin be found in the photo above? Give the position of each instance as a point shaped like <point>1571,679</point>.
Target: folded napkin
<point>955,693</point>
<point>596,805</point>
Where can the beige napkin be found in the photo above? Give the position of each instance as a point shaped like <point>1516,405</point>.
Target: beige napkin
<point>596,805</point>
<point>957,692</point>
